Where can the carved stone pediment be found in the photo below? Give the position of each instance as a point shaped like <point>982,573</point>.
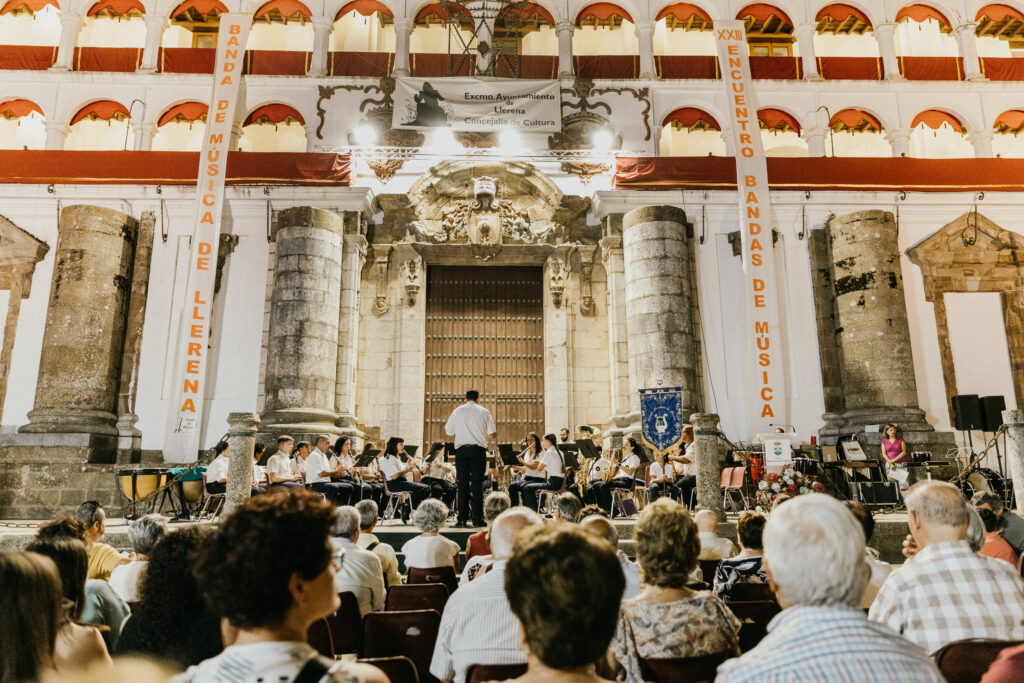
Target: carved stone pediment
<point>19,253</point>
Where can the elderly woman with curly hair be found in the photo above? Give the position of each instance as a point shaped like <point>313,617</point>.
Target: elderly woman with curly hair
<point>667,619</point>
<point>430,549</point>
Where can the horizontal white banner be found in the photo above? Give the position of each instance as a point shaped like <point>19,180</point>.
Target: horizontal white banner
<point>477,104</point>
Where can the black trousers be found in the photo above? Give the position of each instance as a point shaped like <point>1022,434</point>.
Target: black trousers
<point>532,490</point>
<point>659,489</point>
<point>340,493</point>
<point>518,487</point>
<point>374,491</point>
<point>603,490</point>
<point>441,489</point>
<point>418,492</point>
<point>686,485</point>
<point>470,466</point>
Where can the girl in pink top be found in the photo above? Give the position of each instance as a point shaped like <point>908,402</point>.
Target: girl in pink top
<point>894,450</point>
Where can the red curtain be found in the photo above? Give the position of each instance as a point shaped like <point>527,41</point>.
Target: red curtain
<point>287,8</point>
<point>686,66</point>
<point>1003,69</point>
<point>998,13</point>
<point>275,113</point>
<point>921,13</point>
<point>118,7</point>
<point>607,66</point>
<point>188,111</point>
<point>763,12</point>
<point>932,68</point>
<point>374,64</point>
<point>277,62</point>
<point>602,11</point>
<point>850,68</point>
<point>933,118</point>
<point>775,68</point>
<point>841,12</point>
<point>683,11</point>
<point>1012,121</point>
<point>203,7</point>
<point>428,65</point>
<point>364,7</point>
<point>27,57</point>
<point>121,59</point>
<point>32,5</point>
<point>187,60</point>
<point>103,110</point>
<point>690,116</point>
<point>15,109</point>
<point>772,118</point>
<point>530,66</point>
<point>170,168</point>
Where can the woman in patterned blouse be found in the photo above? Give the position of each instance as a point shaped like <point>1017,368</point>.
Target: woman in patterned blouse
<point>745,567</point>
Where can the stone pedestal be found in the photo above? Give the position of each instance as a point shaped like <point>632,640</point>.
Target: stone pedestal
<point>873,336</point>
<point>242,429</point>
<point>1013,420</point>
<point>302,346</point>
<point>80,363</point>
<point>707,456</point>
<point>659,304</point>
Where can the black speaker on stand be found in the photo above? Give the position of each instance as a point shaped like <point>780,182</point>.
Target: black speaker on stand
<point>992,408</point>
<point>967,416</point>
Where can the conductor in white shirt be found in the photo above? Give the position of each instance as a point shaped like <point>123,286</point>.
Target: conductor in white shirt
<point>473,429</point>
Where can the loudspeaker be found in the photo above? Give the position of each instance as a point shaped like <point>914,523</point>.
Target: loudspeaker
<point>992,408</point>
<point>876,493</point>
<point>966,412</point>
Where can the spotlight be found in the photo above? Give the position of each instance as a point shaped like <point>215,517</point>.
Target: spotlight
<point>509,139</point>
<point>365,134</point>
<point>602,139</point>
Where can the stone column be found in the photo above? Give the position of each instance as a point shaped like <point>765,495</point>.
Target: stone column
<point>237,130</point>
<point>564,30</point>
<point>816,141</point>
<point>659,303</point>
<point>80,362</point>
<point>899,138</point>
<point>56,131</point>
<point>302,344</point>
<point>348,326</point>
<point>144,136</point>
<point>70,24</point>
<point>967,41</point>
<point>873,335</point>
<point>403,34</point>
<point>18,291</point>
<point>708,460</point>
<point>130,438</point>
<point>618,353</point>
<point>156,22</point>
<point>885,34</point>
<point>311,139</point>
<point>321,46</point>
<point>645,39</point>
<point>982,141</point>
<point>808,59</point>
<point>242,428</point>
<point>1013,421</point>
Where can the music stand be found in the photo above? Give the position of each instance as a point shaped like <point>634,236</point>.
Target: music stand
<point>434,452</point>
<point>450,447</point>
<point>569,455</point>
<point>508,454</point>
<point>411,450</point>
<point>588,449</point>
<point>366,457</point>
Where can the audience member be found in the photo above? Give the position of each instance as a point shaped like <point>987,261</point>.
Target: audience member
<point>948,592</point>
<point>268,570</point>
<point>430,549</point>
<point>494,504</point>
<point>78,645</point>
<point>477,626</point>
<point>814,552</point>
<point>173,621</point>
<point>995,545</point>
<point>567,507</point>
<point>102,558</point>
<point>30,614</point>
<point>217,470</point>
<point>1007,667</point>
<point>1011,525</point>
<point>143,534</point>
<point>602,527</point>
<point>747,566</point>
<point>564,586</point>
<point>879,570</point>
<point>359,570</point>
<point>282,467</point>
<point>667,619</point>
<point>591,510</point>
<point>712,547</point>
<point>368,517</point>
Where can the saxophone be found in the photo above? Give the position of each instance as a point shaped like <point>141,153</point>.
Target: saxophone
<point>613,465</point>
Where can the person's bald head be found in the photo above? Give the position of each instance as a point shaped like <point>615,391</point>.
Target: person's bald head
<point>936,512</point>
<point>706,521</point>
<point>507,526</point>
<point>602,527</point>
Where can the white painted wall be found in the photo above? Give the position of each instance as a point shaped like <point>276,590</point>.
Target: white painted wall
<point>104,31</point>
<point>600,40</point>
<point>978,341</point>
<point>357,33</point>
<point>28,132</point>
<point>41,28</point>
<point>681,42</point>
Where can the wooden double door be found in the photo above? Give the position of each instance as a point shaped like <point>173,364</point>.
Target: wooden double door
<point>485,331</point>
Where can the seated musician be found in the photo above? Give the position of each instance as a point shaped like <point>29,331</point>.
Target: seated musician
<point>554,471</point>
<point>894,451</point>
<point>398,474</point>
<point>281,466</point>
<point>685,468</point>
<point>440,477</point>
<point>662,477</point>
<point>371,478</point>
<point>532,471</point>
<point>595,476</point>
<point>623,476</point>
<point>344,464</point>
<point>324,477</point>
<point>259,474</point>
<point>217,471</point>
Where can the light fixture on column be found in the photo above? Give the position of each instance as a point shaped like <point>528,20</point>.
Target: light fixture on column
<point>602,140</point>
<point>365,134</point>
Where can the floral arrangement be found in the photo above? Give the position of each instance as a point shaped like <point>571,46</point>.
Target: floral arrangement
<point>787,481</point>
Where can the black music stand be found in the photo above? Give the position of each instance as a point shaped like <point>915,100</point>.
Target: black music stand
<point>588,449</point>
<point>411,450</point>
<point>366,457</point>
<point>569,455</point>
<point>450,447</point>
<point>434,452</point>
<point>509,456</point>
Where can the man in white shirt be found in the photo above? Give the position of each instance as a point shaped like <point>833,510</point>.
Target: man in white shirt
<point>360,572</point>
<point>281,470</point>
<point>685,468</point>
<point>472,428</point>
<point>478,626</point>
<point>217,471</point>
<point>319,473</point>
<point>711,546</point>
<point>368,515</point>
<point>602,527</point>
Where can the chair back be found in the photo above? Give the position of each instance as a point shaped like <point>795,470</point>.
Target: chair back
<point>736,480</point>
<point>647,476</point>
<point>750,592</point>
<point>755,616</point>
<point>346,625</point>
<point>708,569</point>
<point>397,669</point>
<point>682,669</point>
<point>319,638</point>
<point>726,477</point>
<point>966,661</point>
<point>482,673</point>
<point>416,596</point>
<point>445,575</point>
<point>411,634</point>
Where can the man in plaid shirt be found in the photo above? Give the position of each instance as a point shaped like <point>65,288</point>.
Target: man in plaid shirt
<point>947,592</point>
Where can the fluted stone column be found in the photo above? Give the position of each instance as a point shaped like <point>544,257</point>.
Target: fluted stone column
<point>130,436</point>
<point>564,31</point>
<point>80,362</point>
<point>899,138</point>
<point>156,22</point>
<point>618,352</point>
<point>885,34</point>
<point>873,336</point>
<point>70,25</point>
<point>403,36</point>
<point>659,303</point>
<point>645,41</point>
<point>302,347</point>
<point>967,42</point>
<point>348,323</point>
<point>808,60</point>
<point>1013,420</point>
<point>56,132</point>
<point>321,46</point>
<point>242,428</point>
<point>706,446</point>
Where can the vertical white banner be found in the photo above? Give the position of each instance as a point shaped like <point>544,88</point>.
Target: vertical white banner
<point>761,296</point>
<point>190,346</point>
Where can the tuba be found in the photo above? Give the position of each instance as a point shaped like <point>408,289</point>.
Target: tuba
<point>587,432</point>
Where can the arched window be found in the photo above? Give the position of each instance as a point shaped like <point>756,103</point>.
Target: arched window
<point>273,128</point>
<point>684,29</point>
<point>604,29</point>
<point>22,125</point>
<point>100,126</point>
<point>856,133</point>
<point>924,31</point>
<point>691,132</point>
<point>30,22</point>
<point>1000,31</point>
<point>282,26</point>
<point>363,26</point>
<point>844,31</point>
<point>780,134</point>
<point>535,27</point>
<point>1008,141</point>
<point>114,24</point>
<point>181,128</point>
<point>194,24</point>
<point>769,30</point>
<point>939,135</point>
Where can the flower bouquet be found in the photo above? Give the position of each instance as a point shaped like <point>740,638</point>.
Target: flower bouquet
<point>787,481</point>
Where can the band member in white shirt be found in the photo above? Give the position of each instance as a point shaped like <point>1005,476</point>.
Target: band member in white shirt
<point>217,471</point>
<point>531,472</point>
<point>595,476</point>
<point>473,430</point>
<point>563,435</point>
<point>319,473</point>
<point>259,474</point>
<point>343,460</point>
<point>440,477</point>
<point>281,466</point>
<point>663,476</point>
<point>686,470</point>
<point>623,477</point>
<point>554,470</point>
<point>394,471</point>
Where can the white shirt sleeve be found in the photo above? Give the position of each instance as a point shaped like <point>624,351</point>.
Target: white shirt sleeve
<point>388,467</point>
<point>656,471</point>
<point>491,427</point>
<point>217,470</point>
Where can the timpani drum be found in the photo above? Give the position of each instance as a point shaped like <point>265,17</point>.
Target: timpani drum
<point>140,484</point>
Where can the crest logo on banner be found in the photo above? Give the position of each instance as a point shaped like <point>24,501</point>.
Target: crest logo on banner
<point>661,417</point>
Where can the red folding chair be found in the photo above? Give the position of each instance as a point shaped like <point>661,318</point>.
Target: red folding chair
<point>417,596</point>
<point>445,575</point>
<point>411,634</point>
<point>482,673</point>
<point>319,638</point>
<point>346,625</point>
<point>683,669</point>
<point>966,661</point>
<point>397,669</point>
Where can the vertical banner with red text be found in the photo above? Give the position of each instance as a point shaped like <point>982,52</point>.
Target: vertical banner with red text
<point>190,346</point>
<point>761,295</point>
